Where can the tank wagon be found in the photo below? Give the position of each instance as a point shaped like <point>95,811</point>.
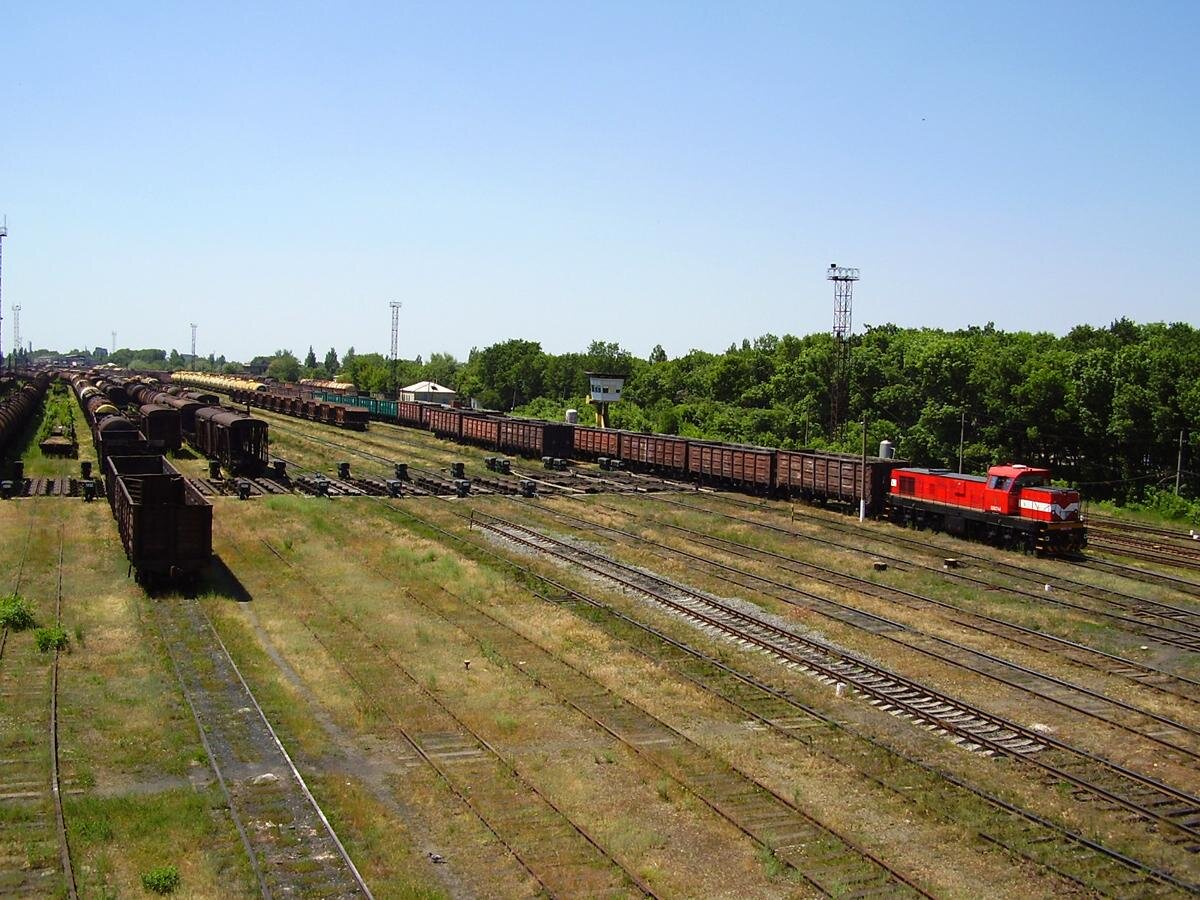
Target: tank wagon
<point>17,408</point>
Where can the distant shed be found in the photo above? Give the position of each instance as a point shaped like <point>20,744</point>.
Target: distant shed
<point>428,392</point>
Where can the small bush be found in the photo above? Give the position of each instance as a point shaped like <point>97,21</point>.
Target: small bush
<point>52,638</point>
<point>161,879</point>
<point>15,613</point>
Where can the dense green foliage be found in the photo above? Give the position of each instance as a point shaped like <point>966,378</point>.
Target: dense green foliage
<point>60,413</point>
<point>1103,407</point>
<point>51,637</point>
<point>15,613</point>
<point>161,879</point>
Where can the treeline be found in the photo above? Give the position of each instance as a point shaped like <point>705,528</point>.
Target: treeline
<point>1103,407</point>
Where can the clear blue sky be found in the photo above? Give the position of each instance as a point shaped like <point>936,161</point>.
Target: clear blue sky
<point>674,173</point>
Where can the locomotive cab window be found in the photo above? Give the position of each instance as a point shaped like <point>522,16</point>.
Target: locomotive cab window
<point>1031,481</point>
<point>998,482</point>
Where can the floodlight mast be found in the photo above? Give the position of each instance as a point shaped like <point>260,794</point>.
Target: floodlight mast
<point>843,278</point>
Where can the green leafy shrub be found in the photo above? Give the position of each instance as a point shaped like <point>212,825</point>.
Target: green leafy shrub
<point>15,613</point>
<point>161,879</point>
<point>53,637</point>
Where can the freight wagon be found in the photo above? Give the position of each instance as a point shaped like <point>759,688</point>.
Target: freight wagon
<point>531,437</point>
<point>657,452</point>
<point>236,440</point>
<point>823,476</point>
<point>748,468</point>
<point>592,443</point>
<point>483,431</point>
<point>164,522</point>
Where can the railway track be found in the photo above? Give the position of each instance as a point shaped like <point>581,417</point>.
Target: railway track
<point>560,854</point>
<point>35,854</point>
<point>1110,664</point>
<point>830,862</point>
<point>291,846</point>
<point>1164,623</point>
<point>1174,811</point>
<point>1176,737</point>
<point>1147,550</point>
<point>1025,834</point>
<point>1167,820</point>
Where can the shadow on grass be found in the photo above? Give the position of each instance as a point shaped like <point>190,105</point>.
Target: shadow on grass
<point>219,579</point>
<point>184,453</point>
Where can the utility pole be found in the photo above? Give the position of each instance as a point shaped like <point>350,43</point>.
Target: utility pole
<point>962,430</point>
<point>3,235</point>
<point>1178,461</point>
<point>862,501</point>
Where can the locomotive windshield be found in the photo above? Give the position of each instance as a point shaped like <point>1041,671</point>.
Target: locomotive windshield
<point>1032,481</point>
<point>999,482</point>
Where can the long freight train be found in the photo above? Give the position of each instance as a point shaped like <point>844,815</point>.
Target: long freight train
<point>1013,506</point>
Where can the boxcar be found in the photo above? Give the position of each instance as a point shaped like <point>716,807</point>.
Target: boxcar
<point>446,422</point>
<point>824,476</point>
<point>530,437</point>
<point>483,431</point>
<point>160,425</point>
<point>654,451</point>
<point>750,468</point>
<point>236,440</point>
<point>164,522</point>
<point>590,443</point>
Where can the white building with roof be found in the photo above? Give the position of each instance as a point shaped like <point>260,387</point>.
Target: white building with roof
<point>428,392</point>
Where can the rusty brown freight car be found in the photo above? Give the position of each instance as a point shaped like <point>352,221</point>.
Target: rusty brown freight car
<point>409,412</point>
<point>590,443</point>
<point>446,423</point>
<point>160,425</point>
<point>352,418</point>
<point>824,476</point>
<point>164,522</point>
<point>530,437</point>
<point>750,468</point>
<point>483,431</point>
<point>655,451</point>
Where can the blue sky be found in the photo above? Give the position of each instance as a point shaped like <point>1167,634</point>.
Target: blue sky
<point>674,173</point>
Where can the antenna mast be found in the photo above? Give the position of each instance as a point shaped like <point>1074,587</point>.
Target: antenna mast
<point>843,279</point>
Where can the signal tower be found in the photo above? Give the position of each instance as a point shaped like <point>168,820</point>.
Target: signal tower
<point>843,279</point>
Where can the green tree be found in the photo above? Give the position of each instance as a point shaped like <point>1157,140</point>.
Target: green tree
<point>310,361</point>
<point>284,366</point>
<point>332,366</point>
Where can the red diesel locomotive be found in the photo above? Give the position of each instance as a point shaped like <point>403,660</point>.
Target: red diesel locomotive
<point>1013,506</point>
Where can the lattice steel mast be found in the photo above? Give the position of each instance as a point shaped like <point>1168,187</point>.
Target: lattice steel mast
<point>394,354</point>
<point>843,279</point>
